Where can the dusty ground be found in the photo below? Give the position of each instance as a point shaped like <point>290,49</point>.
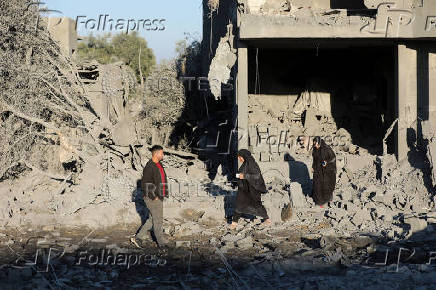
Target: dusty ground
<point>290,257</point>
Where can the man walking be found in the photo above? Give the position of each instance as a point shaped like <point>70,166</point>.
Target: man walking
<point>155,188</point>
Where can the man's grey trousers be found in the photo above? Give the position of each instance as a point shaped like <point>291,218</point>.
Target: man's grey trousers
<point>155,221</point>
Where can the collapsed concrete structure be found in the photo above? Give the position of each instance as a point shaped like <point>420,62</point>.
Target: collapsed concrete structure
<point>102,152</point>
<point>358,72</point>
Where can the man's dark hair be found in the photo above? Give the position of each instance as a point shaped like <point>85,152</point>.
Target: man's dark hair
<point>317,139</point>
<point>156,148</point>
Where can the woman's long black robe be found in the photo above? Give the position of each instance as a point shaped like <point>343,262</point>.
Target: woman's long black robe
<point>324,178</point>
<point>248,200</point>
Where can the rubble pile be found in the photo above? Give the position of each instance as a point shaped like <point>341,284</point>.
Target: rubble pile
<point>260,258</point>
<point>73,134</point>
<point>393,205</point>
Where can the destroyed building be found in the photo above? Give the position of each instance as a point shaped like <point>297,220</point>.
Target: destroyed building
<point>360,73</point>
<point>71,157</point>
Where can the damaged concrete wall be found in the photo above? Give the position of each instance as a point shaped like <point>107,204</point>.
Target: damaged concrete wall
<point>63,30</point>
<point>397,19</point>
<point>219,43</point>
<point>278,6</point>
<point>222,63</point>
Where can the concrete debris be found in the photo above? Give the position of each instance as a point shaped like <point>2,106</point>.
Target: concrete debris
<point>319,102</point>
<point>361,217</point>
<point>356,162</point>
<point>221,65</point>
<point>245,243</point>
<point>429,135</point>
<point>416,225</point>
<point>431,215</point>
<point>123,133</point>
<point>274,6</point>
<point>48,228</point>
<point>274,202</point>
<point>287,213</point>
<point>192,214</point>
<point>363,241</point>
<point>183,244</point>
<point>297,196</point>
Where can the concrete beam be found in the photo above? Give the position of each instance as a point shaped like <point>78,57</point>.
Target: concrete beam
<point>391,22</point>
<point>242,96</point>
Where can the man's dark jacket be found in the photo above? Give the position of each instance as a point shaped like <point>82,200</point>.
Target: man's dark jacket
<point>151,182</point>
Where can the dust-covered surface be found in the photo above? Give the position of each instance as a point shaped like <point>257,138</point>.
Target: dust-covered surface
<point>284,256</point>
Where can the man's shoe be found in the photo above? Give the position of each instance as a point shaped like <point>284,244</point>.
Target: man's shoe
<point>137,242</point>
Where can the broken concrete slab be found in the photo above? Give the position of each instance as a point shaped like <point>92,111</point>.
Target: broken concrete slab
<point>274,202</point>
<point>357,162</point>
<point>363,241</point>
<point>124,133</point>
<point>221,65</point>
<point>287,213</point>
<point>311,123</point>
<point>431,155</point>
<point>362,216</point>
<point>370,192</point>
<point>245,243</point>
<point>183,244</point>
<point>297,196</point>
<point>416,224</point>
<point>345,194</point>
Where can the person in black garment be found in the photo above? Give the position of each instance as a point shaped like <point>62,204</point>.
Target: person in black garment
<point>250,187</point>
<point>324,172</point>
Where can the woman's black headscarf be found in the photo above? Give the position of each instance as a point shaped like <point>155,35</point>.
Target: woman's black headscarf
<point>250,166</point>
<point>248,158</point>
<point>320,141</point>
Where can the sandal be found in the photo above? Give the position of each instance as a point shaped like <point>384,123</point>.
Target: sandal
<point>266,223</point>
<point>233,226</point>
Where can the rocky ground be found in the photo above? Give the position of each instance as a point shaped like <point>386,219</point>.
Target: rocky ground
<point>287,256</point>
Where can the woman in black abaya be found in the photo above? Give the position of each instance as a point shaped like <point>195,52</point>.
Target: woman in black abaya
<point>250,187</point>
<point>324,172</point>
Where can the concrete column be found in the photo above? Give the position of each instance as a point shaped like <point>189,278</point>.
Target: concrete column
<point>407,80</point>
<point>242,96</point>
